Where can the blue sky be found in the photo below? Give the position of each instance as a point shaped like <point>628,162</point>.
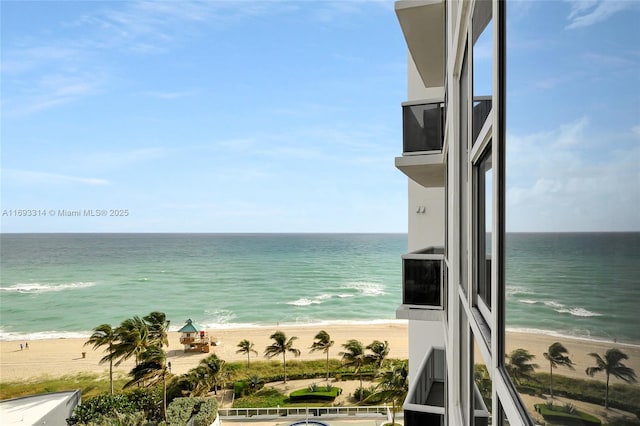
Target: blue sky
<point>285,116</point>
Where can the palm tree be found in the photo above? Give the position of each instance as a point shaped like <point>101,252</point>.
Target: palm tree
<point>611,365</point>
<point>158,326</point>
<point>520,366</point>
<point>353,356</point>
<point>281,346</point>
<point>379,352</point>
<point>323,343</point>
<point>151,369</point>
<point>104,335</point>
<point>214,368</point>
<point>393,386</point>
<point>133,339</point>
<point>557,357</point>
<point>246,347</point>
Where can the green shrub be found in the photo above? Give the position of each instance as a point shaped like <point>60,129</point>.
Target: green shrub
<point>93,409</point>
<point>362,393</point>
<point>203,410</point>
<point>240,389</point>
<point>314,395</point>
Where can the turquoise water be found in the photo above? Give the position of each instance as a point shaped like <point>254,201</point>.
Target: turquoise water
<point>57,285</point>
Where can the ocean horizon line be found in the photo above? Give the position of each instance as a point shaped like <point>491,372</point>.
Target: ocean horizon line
<point>269,233</point>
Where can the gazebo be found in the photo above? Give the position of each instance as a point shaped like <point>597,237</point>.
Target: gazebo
<point>194,338</point>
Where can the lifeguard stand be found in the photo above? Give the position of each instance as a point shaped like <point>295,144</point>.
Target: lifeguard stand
<point>194,338</point>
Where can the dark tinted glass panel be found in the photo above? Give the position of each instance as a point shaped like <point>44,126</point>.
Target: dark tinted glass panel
<point>422,282</point>
<point>423,127</point>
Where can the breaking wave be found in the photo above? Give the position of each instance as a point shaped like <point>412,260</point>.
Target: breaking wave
<point>45,288</point>
<point>365,288</point>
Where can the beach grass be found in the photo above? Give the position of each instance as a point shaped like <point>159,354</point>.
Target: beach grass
<point>90,384</point>
<point>622,396</point>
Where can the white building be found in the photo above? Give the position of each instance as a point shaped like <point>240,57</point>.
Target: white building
<point>454,157</point>
<point>45,409</point>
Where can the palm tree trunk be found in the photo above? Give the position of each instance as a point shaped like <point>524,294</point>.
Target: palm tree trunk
<point>111,376</point>
<point>248,359</point>
<point>361,389</point>
<point>551,379</point>
<point>284,362</point>
<point>327,366</point>
<point>111,367</point>
<point>393,413</point>
<point>164,396</point>
<point>606,395</point>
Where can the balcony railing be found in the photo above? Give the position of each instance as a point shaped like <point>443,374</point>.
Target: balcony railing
<point>425,402</point>
<point>481,110</point>
<point>422,281</point>
<point>423,127</point>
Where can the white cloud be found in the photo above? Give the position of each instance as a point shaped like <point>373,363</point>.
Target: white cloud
<point>561,180</point>
<point>30,177</point>
<point>53,90</point>
<point>585,13</point>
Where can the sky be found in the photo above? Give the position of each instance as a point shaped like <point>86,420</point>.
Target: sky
<point>274,116</point>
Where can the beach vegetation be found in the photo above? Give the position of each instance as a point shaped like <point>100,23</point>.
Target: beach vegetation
<point>280,346</point>
<point>323,343</point>
<point>158,328</point>
<point>133,339</point>
<point>361,393</point>
<point>354,356</point>
<point>622,396</point>
<point>139,407</point>
<point>246,347</point>
<point>267,397</point>
<point>520,365</point>
<point>565,415</point>
<point>482,380</point>
<point>557,356</point>
<point>151,370</point>
<point>393,386</point>
<point>104,335</point>
<point>203,411</point>
<point>379,351</point>
<point>315,394</point>
<point>90,384</point>
<point>611,364</point>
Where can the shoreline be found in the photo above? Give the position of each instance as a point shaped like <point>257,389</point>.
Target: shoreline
<point>62,335</point>
<point>63,356</point>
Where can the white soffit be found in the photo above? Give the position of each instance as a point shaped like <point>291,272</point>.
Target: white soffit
<point>423,26</point>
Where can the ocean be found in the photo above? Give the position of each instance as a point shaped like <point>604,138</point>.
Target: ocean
<point>63,285</point>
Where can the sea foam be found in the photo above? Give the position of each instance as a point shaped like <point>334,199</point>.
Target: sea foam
<point>44,288</point>
<point>366,288</point>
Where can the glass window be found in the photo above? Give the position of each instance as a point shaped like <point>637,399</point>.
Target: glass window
<point>484,200</point>
<point>482,25</point>
<point>462,194</point>
<point>481,396</point>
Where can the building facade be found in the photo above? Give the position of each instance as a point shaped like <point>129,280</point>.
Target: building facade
<point>454,157</point>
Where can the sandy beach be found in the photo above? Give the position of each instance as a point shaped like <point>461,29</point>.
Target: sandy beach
<point>59,357</point>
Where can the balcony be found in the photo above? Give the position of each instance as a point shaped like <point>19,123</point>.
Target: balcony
<point>422,285</point>
<point>425,402</point>
<point>422,140</point>
<point>423,27</point>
